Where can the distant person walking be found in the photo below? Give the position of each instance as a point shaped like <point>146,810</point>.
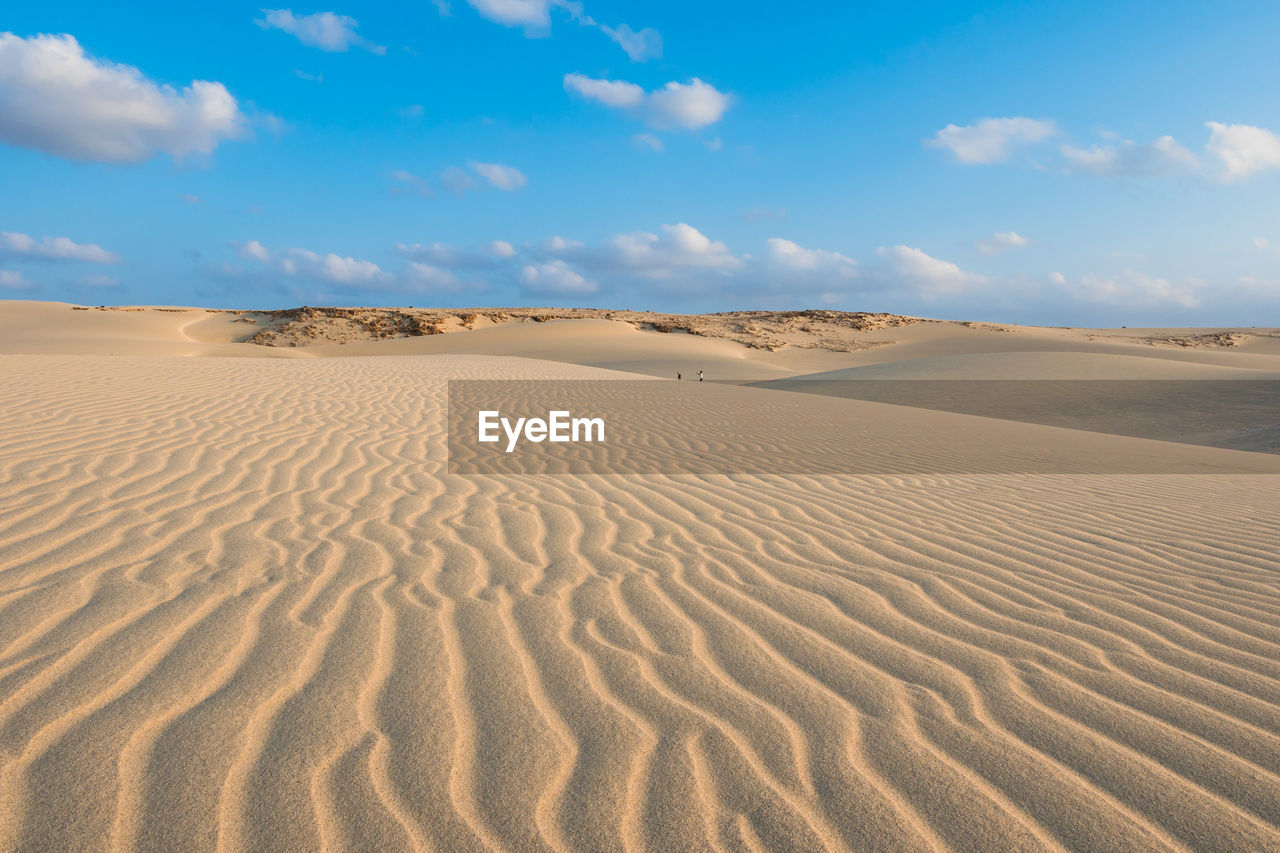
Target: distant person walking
<point>699,375</point>
<point>677,377</point>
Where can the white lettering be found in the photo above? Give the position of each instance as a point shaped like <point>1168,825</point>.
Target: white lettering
<point>559,427</point>
<point>587,425</point>
<point>513,435</point>
<point>488,423</point>
<point>559,422</point>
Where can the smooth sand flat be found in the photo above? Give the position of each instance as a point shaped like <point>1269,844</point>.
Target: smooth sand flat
<point>243,605</point>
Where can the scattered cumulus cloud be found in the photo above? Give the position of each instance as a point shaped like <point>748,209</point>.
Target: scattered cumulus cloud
<point>534,17</point>
<point>1243,149</point>
<point>1000,242</point>
<point>555,278</point>
<point>1240,149</point>
<point>649,255</point>
<point>17,245</point>
<point>648,140</point>
<point>13,279</point>
<point>56,99</point>
<point>427,277</point>
<point>305,264</point>
<point>1133,289</point>
<point>682,106</point>
<point>326,31</point>
<point>460,181</point>
<point>489,256</point>
<point>612,93</point>
<point>407,182</point>
<point>506,178</point>
<point>764,214</point>
<point>687,105</point>
<point>456,180</point>
<point>681,262</point>
<point>1162,157</point>
<point>925,274</point>
<point>990,140</point>
<point>640,46</point>
<point>791,257</point>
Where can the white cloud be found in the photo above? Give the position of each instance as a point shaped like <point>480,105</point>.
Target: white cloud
<point>534,17</point>
<point>612,93</point>
<point>310,78</point>
<point>649,141</point>
<point>459,181</point>
<point>503,177</point>
<point>1057,278</point>
<point>55,99</point>
<point>428,277</point>
<point>687,106</point>
<point>305,264</point>
<point>790,257</point>
<point>1243,149</point>
<point>640,46</point>
<point>761,214</point>
<point>677,256</point>
<point>409,182</point>
<point>324,30</point>
<point>1260,242</point>
<point>456,180</point>
<point>1000,242</point>
<point>560,244</point>
<point>13,279</point>
<point>555,277</point>
<point>1133,289</point>
<point>990,140</point>
<point>54,248</point>
<point>678,246</point>
<point>925,274</point>
<point>488,256</point>
<point>257,251</point>
<point>334,268</point>
<point>1163,156</point>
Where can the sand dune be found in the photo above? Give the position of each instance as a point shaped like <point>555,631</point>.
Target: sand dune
<point>244,607</point>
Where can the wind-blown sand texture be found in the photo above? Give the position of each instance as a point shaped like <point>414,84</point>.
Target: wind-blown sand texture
<point>243,606</point>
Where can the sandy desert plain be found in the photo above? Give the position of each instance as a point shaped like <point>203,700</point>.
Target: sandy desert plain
<point>245,606</point>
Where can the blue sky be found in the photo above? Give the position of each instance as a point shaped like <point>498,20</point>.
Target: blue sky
<point>1058,163</point>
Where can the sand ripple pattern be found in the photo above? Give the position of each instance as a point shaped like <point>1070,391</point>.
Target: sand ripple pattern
<point>242,607</point>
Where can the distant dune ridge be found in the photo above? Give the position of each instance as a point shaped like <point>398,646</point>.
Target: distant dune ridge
<point>244,605</point>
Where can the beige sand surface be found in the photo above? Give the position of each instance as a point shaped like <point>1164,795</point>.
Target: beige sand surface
<point>243,606</point>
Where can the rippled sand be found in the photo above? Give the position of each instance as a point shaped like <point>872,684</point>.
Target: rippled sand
<point>243,606</point>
